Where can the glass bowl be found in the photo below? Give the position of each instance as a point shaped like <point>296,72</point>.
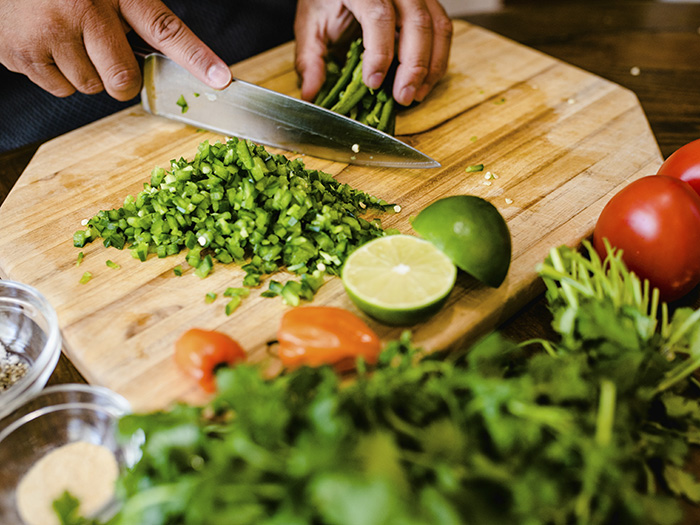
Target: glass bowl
<point>29,337</point>
<point>61,415</point>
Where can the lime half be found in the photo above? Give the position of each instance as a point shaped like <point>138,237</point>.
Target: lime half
<point>399,279</point>
<point>472,232</point>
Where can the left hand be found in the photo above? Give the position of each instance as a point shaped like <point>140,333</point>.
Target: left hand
<point>424,39</point>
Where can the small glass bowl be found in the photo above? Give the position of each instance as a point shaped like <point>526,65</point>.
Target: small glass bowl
<point>57,416</point>
<point>29,332</point>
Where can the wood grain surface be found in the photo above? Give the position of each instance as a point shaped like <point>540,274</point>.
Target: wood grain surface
<point>561,141</point>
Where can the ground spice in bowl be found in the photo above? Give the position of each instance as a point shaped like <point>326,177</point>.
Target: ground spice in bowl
<point>87,471</point>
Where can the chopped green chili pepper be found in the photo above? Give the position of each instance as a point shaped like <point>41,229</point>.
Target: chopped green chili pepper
<point>234,303</point>
<point>85,278</point>
<point>81,256</point>
<point>210,297</point>
<point>205,267</point>
<point>292,292</point>
<point>237,203</point>
<point>112,265</point>
<point>178,270</point>
<point>81,238</point>
<point>242,292</point>
<point>474,168</point>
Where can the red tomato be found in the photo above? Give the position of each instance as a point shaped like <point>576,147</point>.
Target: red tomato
<point>684,164</point>
<point>199,353</point>
<point>318,335</point>
<point>655,221</point>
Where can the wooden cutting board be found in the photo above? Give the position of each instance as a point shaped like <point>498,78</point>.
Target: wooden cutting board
<point>561,142</point>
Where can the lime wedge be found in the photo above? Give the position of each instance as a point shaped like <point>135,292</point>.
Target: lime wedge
<point>399,279</point>
<point>472,232</point>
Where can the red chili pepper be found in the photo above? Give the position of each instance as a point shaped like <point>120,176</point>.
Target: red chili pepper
<point>200,352</point>
<point>318,335</point>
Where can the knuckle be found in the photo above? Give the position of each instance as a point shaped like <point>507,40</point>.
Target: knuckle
<point>90,86</point>
<point>380,58</point>
<point>380,12</point>
<point>123,81</point>
<point>418,71</point>
<point>80,5</point>
<point>167,27</point>
<point>61,91</point>
<point>50,79</point>
<point>437,71</point>
<point>421,20</point>
<point>24,57</point>
<point>443,27</point>
<point>34,67</point>
<point>14,62</point>
<point>70,13</point>
<point>196,56</point>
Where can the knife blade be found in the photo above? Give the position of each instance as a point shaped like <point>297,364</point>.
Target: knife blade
<point>245,110</point>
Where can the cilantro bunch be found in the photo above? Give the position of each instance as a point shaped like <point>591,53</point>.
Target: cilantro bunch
<point>596,428</point>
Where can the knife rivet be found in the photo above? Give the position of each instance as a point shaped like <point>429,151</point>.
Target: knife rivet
<point>356,148</point>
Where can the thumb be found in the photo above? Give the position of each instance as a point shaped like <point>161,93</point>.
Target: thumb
<point>163,30</point>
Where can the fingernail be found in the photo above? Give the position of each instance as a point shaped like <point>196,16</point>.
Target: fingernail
<point>218,76</point>
<point>407,95</point>
<point>375,80</point>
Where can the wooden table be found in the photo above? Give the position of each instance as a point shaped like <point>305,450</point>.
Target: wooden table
<point>651,47</point>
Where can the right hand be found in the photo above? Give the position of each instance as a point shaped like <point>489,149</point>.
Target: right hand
<point>80,45</point>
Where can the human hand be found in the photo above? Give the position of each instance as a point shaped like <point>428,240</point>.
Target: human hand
<point>64,46</point>
<point>424,39</point>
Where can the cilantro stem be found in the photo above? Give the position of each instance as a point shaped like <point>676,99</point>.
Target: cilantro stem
<point>401,425</point>
<point>547,345</point>
<point>567,284</point>
<point>689,323</point>
<point>553,417</point>
<point>606,413</point>
<point>678,374</point>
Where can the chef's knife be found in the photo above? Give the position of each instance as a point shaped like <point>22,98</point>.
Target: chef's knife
<point>245,110</point>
